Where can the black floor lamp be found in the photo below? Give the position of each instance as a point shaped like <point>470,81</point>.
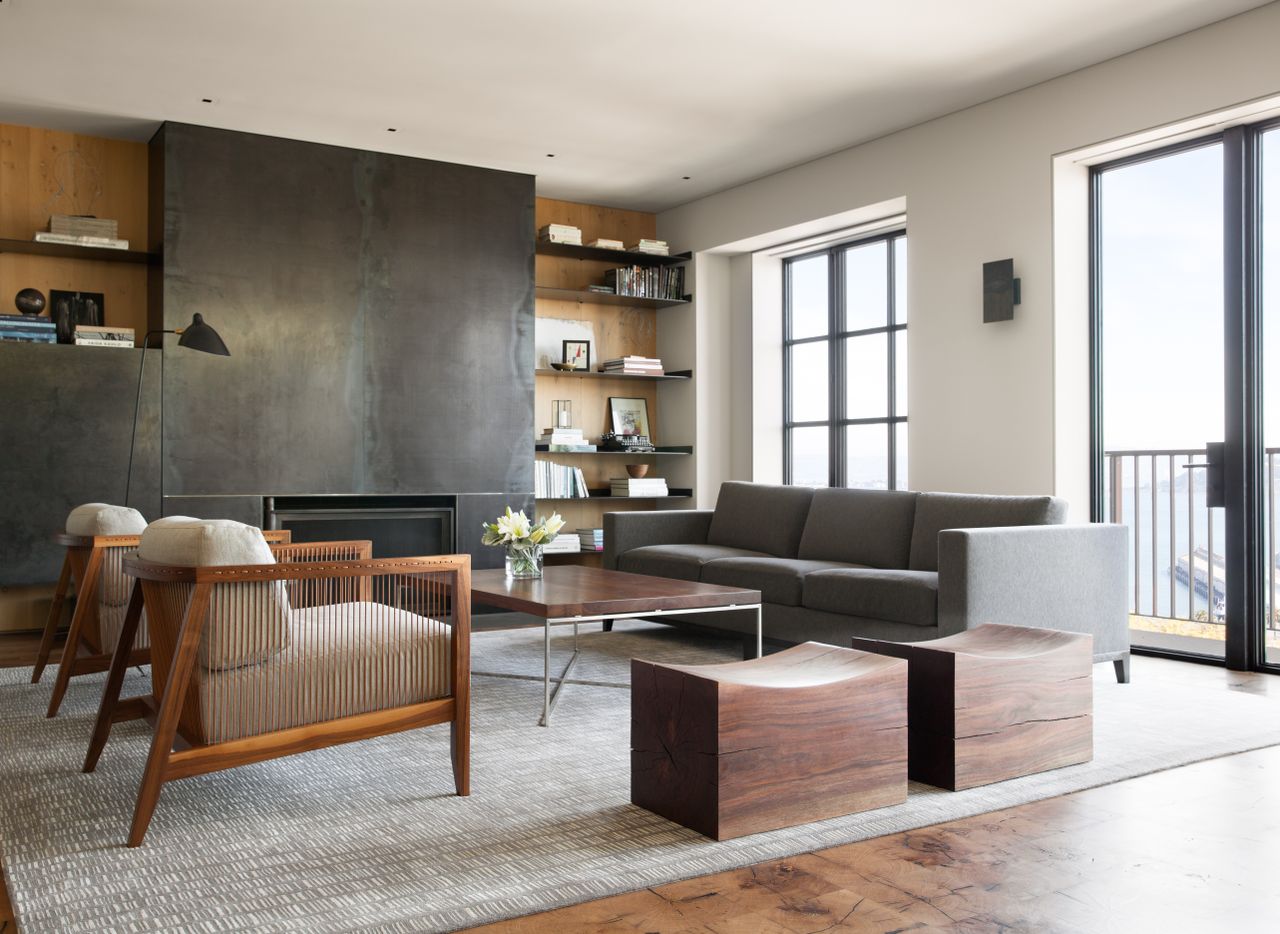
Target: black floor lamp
<point>198,336</point>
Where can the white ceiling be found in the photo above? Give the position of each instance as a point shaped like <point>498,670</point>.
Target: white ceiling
<point>629,97</point>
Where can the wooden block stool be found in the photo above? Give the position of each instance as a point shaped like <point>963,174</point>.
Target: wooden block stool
<point>996,702</point>
<point>813,732</point>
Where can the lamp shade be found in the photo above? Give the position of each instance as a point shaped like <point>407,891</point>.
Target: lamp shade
<point>200,336</point>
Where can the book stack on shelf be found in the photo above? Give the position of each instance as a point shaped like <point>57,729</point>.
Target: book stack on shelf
<point>638,486</point>
<point>633,365</point>
<point>72,230</point>
<point>601,243</point>
<point>665,282</point>
<point>566,441</point>
<point>591,539</point>
<point>562,545</point>
<point>561,233</point>
<point>91,336</point>
<point>556,481</point>
<point>30,329</point>
<point>653,247</point>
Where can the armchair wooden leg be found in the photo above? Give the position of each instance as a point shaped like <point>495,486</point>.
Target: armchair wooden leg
<point>84,605</point>
<point>115,679</point>
<point>51,624</point>
<point>460,750</point>
<point>175,693</point>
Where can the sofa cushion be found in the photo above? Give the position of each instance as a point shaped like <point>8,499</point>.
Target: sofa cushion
<point>866,527</point>
<point>104,519</point>
<point>760,518</point>
<point>779,580</point>
<point>938,511</point>
<point>248,623</point>
<point>683,562</point>
<point>876,593</point>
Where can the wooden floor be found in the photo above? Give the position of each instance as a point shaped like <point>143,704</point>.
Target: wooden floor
<point>1190,849</point>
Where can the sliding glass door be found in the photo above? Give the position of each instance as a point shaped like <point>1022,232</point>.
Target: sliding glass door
<point>1186,381</point>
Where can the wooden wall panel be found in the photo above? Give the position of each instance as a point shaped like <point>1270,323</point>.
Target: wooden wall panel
<point>618,331</point>
<point>45,172</point>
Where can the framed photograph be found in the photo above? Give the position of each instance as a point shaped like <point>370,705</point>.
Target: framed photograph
<point>630,416</point>
<point>577,353</point>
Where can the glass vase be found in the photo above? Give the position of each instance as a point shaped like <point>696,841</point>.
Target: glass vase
<point>524,562</point>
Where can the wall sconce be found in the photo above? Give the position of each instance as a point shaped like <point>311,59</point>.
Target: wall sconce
<point>1000,291</point>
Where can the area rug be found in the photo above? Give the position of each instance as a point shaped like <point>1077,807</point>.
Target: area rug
<point>370,837</point>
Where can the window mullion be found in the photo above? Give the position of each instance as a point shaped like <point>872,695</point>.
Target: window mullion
<point>835,320</point>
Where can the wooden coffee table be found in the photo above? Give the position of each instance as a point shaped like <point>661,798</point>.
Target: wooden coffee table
<point>572,594</point>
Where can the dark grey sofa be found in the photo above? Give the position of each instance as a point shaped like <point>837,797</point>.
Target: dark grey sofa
<point>835,563</point>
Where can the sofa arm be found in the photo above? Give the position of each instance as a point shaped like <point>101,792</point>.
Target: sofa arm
<point>1068,577</point>
<point>626,530</point>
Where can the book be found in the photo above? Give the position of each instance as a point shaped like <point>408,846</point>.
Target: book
<point>664,282</point>
<point>93,342</point>
<point>84,225</point>
<point>562,436</point>
<point>600,243</point>
<point>562,545</point>
<point>632,486</point>
<point>96,332</point>
<point>30,337</point>
<point>591,539</point>
<point>652,247</point>
<point>106,243</point>
<point>26,319</point>
<point>28,324</point>
<point>566,448</point>
<point>561,233</point>
<point>556,481</point>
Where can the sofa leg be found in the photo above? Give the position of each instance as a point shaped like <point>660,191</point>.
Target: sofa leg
<point>1122,669</point>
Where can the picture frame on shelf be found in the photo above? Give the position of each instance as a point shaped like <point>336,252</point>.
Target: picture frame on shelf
<point>629,416</point>
<point>576,354</point>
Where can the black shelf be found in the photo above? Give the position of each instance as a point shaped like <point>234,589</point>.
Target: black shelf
<point>680,450</point>
<point>675,493</point>
<point>67,251</point>
<point>584,297</point>
<point>620,257</point>
<point>596,374</point>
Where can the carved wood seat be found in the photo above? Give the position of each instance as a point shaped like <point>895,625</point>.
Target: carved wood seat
<point>324,646</point>
<point>996,702</point>
<point>813,732</point>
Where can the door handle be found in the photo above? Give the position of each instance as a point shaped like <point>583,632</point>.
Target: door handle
<point>1215,494</point>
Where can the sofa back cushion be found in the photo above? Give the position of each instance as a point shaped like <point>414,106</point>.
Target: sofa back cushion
<point>248,623</point>
<point>867,527</point>
<point>760,517</point>
<point>938,511</point>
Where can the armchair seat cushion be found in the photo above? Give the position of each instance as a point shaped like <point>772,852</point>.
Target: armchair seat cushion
<point>343,659</point>
<point>104,519</point>
<point>682,562</point>
<point>897,596</point>
<point>779,580</point>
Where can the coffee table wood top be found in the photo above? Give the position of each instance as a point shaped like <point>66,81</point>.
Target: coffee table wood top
<point>569,590</point>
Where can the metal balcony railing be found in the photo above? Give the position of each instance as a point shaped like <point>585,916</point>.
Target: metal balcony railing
<point>1175,568</point>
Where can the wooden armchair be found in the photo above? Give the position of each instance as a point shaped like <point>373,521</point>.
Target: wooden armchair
<point>255,661</point>
<point>94,563</point>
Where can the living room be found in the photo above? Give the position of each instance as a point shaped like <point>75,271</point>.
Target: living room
<point>782,327</point>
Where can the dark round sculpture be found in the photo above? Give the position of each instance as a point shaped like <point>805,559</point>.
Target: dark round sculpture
<point>30,301</point>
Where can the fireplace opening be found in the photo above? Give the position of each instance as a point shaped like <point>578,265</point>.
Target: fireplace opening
<point>398,526</point>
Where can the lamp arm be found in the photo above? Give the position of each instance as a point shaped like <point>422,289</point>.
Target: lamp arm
<point>137,404</point>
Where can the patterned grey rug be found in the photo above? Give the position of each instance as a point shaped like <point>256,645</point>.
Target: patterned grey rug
<point>370,837</point>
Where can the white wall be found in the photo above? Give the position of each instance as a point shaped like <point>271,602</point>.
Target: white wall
<point>994,408</point>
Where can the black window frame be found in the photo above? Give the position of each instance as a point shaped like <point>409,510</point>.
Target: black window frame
<point>836,337</point>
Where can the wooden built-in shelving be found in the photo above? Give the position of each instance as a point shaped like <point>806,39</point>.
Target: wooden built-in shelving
<point>70,251</point>
<point>587,297</point>
<point>596,374</point>
<point>617,257</point>
<point>677,450</point>
<point>673,493</point>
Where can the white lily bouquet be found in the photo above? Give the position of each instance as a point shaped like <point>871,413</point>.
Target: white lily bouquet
<point>523,540</point>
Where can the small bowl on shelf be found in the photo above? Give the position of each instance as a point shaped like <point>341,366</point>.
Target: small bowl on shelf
<point>636,471</point>
<point>564,367</point>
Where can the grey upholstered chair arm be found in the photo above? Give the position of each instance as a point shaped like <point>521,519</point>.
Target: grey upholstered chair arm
<point>626,530</point>
<point>1068,577</point>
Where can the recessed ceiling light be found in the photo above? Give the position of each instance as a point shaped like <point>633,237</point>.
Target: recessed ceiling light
<point>686,177</point>
<point>551,155</point>
<point>206,100</point>
<point>391,129</point>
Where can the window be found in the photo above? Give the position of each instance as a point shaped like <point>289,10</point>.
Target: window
<point>845,365</point>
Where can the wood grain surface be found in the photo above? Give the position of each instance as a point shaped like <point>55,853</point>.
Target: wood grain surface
<point>806,734</point>
<point>569,590</point>
<point>996,702</point>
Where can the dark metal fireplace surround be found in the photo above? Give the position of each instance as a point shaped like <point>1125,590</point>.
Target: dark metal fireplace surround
<point>398,526</point>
